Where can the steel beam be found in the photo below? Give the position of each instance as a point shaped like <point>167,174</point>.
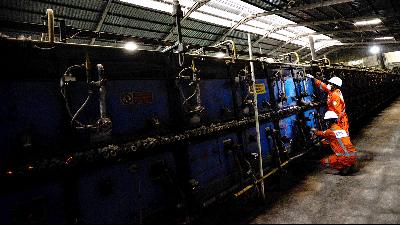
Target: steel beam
<point>314,23</point>
<point>102,19</point>
<point>356,45</point>
<point>331,32</point>
<point>291,10</point>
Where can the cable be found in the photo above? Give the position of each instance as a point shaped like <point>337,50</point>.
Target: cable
<point>81,108</point>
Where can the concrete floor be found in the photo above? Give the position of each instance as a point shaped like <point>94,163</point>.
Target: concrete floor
<point>370,196</point>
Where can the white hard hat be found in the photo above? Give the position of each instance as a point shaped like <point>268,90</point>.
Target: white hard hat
<point>336,80</point>
<point>330,115</point>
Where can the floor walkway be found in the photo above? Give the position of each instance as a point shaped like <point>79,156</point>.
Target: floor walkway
<point>370,196</point>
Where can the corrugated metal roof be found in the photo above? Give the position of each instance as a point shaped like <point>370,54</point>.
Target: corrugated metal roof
<point>140,13</point>
<point>133,20</point>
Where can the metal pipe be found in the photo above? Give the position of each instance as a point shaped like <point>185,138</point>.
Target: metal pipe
<point>233,47</point>
<point>312,47</point>
<point>178,14</point>
<point>43,36</point>
<point>50,25</point>
<point>272,172</point>
<point>253,78</point>
<point>102,92</point>
<point>295,54</point>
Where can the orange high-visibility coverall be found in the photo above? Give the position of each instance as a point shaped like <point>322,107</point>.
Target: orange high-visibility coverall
<point>339,140</point>
<point>335,102</point>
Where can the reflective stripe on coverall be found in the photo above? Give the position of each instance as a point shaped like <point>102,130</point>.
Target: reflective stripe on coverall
<point>339,140</point>
<point>335,102</point>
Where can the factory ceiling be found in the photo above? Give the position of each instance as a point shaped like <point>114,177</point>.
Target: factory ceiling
<point>277,26</point>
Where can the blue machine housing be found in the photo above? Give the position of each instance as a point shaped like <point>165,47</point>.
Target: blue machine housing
<point>142,101</point>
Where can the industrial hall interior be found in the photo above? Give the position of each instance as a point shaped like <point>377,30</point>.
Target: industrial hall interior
<point>200,111</point>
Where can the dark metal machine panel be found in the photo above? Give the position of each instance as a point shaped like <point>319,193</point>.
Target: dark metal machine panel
<point>135,104</point>
<point>127,192</point>
<point>38,204</point>
<point>216,97</point>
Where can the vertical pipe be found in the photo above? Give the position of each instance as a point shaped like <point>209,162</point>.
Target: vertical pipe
<point>63,31</point>
<point>253,78</point>
<point>178,16</point>
<point>102,91</point>
<point>43,37</point>
<point>312,47</point>
<point>50,25</point>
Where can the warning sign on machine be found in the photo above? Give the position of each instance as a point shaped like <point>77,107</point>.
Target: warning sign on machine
<point>134,98</point>
<point>260,89</point>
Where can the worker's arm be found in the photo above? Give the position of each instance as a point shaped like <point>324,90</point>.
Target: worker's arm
<point>322,85</point>
<point>325,134</point>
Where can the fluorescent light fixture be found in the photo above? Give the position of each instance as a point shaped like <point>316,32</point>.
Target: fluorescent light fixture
<point>131,46</point>
<point>220,55</point>
<point>160,6</point>
<point>374,49</point>
<point>368,22</point>
<point>384,38</point>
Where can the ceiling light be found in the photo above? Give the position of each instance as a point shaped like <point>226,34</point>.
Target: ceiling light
<point>375,49</point>
<point>384,38</point>
<point>131,46</point>
<point>368,22</point>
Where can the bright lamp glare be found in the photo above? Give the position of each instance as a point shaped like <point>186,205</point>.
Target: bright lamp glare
<point>130,46</point>
<point>375,49</point>
<point>384,38</point>
<point>368,22</point>
<point>220,55</point>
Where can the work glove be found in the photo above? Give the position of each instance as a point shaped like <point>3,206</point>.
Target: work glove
<point>313,130</point>
<point>310,76</point>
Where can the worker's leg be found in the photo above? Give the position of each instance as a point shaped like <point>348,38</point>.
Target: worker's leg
<point>345,165</point>
<point>330,162</point>
<point>348,165</point>
<point>344,123</point>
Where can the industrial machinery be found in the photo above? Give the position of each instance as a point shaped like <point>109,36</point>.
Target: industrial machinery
<point>97,135</point>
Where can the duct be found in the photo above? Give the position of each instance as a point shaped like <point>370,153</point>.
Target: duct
<point>296,9</point>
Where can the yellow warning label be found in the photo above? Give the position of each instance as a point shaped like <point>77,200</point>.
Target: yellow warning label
<point>260,89</point>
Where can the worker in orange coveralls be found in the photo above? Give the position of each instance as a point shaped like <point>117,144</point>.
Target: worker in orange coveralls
<point>335,100</point>
<point>345,156</point>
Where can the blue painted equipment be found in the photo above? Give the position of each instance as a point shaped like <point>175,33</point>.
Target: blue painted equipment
<point>140,136</point>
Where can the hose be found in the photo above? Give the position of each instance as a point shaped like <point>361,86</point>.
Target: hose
<point>81,109</point>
